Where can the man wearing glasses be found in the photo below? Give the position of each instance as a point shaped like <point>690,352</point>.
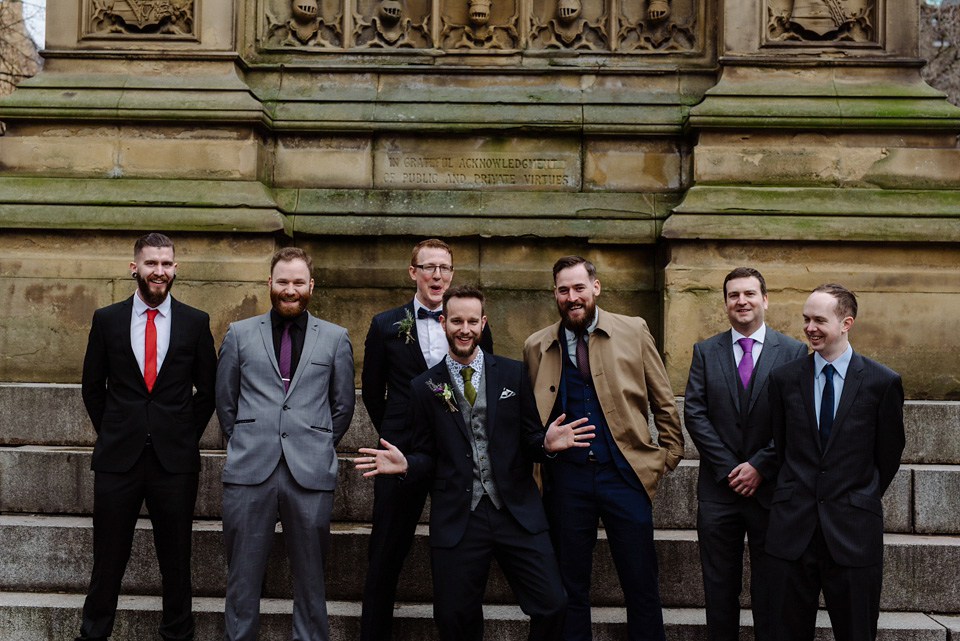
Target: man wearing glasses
<point>401,344</point>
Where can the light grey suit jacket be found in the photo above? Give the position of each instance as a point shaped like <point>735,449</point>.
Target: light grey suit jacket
<point>261,422</point>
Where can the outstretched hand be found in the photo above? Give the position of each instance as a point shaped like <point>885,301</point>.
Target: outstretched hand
<point>560,437</point>
<point>386,461</point>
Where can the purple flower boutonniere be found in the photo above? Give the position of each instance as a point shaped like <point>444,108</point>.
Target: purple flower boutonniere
<point>444,393</point>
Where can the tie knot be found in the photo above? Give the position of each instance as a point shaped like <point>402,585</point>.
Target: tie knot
<point>423,312</point>
<point>152,313</point>
<point>467,373</point>
<point>828,371</point>
<point>747,344</point>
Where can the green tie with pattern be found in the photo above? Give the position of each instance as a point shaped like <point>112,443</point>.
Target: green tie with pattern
<point>469,391</point>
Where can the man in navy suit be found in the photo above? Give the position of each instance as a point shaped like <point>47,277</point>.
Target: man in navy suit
<point>727,413</point>
<point>838,429</point>
<point>401,344</point>
<point>475,435</point>
<point>145,356</point>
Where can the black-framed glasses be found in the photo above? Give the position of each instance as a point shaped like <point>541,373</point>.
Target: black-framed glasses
<point>432,269</point>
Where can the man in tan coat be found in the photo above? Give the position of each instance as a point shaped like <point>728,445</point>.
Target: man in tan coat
<point>604,367</point>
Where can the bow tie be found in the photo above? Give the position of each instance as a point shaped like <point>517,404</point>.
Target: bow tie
<point>423,313</point>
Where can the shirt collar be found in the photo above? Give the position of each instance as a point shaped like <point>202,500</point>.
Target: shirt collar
<point>417,305</point>
<point>757,336</point>
<point>140,307</point>
<point>300,321</point>
<point>454,367</point>
<point>841,363</point>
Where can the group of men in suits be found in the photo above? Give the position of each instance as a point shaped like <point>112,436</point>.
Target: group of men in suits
<point>796,452</point>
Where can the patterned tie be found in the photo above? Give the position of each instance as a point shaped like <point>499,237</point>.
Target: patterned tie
<point>826,406</point>
<point>746,361</point>
<point>286,348</point>
<point>583,357</point>
<point>469,391</point>
<point>150,351</point>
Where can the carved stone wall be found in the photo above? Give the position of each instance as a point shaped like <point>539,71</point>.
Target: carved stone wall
<point>140,18</point>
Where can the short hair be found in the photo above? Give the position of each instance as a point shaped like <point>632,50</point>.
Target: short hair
<point>153,239</point>
<point>846,300</point>
<point>573,261</point>
<point>432,243</point>
<point>745,272</point>
<point>291,253</point>
<point>462,291</point>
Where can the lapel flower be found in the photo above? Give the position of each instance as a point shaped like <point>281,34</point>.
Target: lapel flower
<point>405,328</point>
<point>444,393</point>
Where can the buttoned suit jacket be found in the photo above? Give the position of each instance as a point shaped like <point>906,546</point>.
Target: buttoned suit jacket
<point>121,409</point>
<point>724,434</point>
<point>390,362</point>
<point>629,378</point>
<point>441,449</point>
<point>841,486</point>
<point>261,421</point>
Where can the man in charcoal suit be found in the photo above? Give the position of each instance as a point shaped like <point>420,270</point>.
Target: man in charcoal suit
<point>727,413</point>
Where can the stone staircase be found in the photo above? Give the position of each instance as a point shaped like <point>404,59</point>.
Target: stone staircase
<point>46,496</point>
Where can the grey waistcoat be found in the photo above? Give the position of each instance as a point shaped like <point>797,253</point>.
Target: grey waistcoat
<point>475,418</point>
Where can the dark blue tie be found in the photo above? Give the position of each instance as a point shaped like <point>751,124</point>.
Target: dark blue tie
<point>424,313</point>
<point>826,406</point>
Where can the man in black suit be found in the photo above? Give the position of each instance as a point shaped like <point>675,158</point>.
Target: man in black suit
<point>475,434</point>
<point>401,344</point>
<point>727,412</point>
<point>144,357</point>
<point>838,429</point>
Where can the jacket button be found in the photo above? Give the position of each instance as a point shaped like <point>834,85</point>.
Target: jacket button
<point>467,454</point>
<point>553,389</point>
<point>286,407</point>
<point>284,435</point>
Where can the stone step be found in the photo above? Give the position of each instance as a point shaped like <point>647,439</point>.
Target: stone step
<point>28,616</point>
<point>53,414</point>
<point>53,553</point>
<point>924,499</point>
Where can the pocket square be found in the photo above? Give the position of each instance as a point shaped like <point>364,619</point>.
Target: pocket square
<point>507,393</point>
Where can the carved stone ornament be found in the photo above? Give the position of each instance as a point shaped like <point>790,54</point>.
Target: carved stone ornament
<point>480,24</point>
<point>141,17</point>
<point>297,23</point>
<point>658,25</point>
<point>569,24</point>
<point>392,23</point>
<point>816,21</point>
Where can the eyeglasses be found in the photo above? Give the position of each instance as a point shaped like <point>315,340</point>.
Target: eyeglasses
<point>432,269</point>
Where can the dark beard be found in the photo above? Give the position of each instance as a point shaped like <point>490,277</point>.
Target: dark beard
<point>303,300</point>
<point>463,352</point>
<point>150,298</point>
<point>579,326</point>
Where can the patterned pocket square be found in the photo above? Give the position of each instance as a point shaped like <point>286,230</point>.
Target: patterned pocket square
<point>507,393</point>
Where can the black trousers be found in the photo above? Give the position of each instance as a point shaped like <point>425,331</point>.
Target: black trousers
<point>720,531</point>
<point>117,499</point>
<point>527,560</point>
<point>396,512</point>
<point>852,595</point>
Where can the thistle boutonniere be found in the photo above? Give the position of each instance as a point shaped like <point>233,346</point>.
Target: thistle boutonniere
<point>444,393</point>
<point>405,328</point>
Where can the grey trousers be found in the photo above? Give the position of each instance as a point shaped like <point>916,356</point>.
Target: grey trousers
<point>249,522</point>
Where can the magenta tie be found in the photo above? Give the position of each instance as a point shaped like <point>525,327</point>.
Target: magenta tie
<point>286,349</point>
<point>746,361</point>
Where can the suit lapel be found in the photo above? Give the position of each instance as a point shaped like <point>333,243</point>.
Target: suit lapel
<point>443,378</point>
<point>768,356</point>
<point>310,339</point>
<point>413,347</point>
<point>724,353</point>
<point>176,329</point>
<point>266,333</point>
<point>124,321</point>
<point>493,392</point>
<point>806,392</point>
<point>850,387</point>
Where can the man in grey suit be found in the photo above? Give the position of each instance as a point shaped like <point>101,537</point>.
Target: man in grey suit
<point>285,397</point>
<point>727,413</point>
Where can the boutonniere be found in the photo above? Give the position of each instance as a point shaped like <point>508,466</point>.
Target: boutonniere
<point>405,328</point>
<point>444,393</point>
<point>507,393</point>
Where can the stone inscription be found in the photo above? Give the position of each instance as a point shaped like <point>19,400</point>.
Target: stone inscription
<point>474,171</point>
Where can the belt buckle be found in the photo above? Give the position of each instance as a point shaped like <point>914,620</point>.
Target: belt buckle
<point>591,457</point>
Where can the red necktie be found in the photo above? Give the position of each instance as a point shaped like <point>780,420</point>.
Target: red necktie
<point>150,351</point>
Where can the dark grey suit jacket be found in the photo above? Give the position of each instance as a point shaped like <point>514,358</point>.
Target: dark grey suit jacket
<point>841,486</point>
<point>724,433</point>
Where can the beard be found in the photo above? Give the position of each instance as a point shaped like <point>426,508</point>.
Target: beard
<point>150,297</point>
<point>285,312</point>
<point>578,325</point>
<point>461,351</point>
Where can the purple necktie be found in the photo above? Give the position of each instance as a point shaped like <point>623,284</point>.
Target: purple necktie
<point>746,361</point>
<point>583,359</point>
<point>286,348</point>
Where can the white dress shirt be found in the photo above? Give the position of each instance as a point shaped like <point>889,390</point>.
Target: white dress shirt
<point>433,342</point>
<point>138,330</point>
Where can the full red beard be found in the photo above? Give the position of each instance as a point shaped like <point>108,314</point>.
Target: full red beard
<point>581,325</point>
<point>276,298</point>
<point>151,298</point>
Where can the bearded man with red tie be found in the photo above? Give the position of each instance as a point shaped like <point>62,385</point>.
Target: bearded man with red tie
<point>145,355</point>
